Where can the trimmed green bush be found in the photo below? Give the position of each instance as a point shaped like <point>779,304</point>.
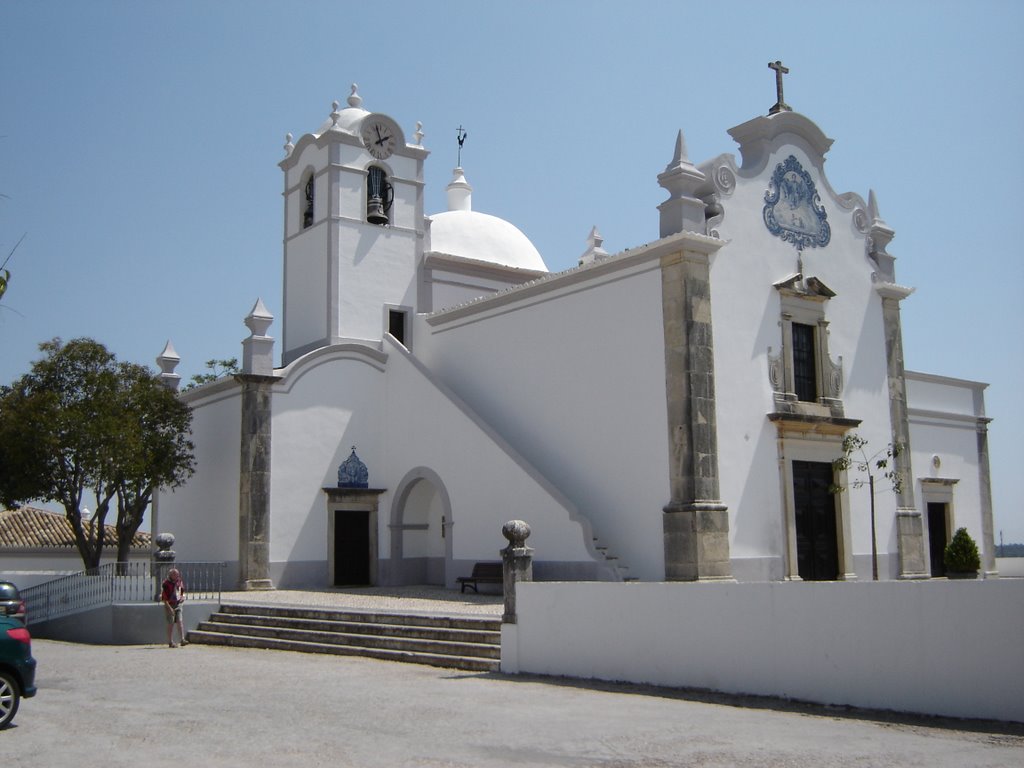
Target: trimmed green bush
<point>961,555</point>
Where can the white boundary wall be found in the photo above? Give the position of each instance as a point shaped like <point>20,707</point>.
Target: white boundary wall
<point>952,648</point>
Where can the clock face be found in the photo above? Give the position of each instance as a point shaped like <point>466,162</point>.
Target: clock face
<point>379,137</point>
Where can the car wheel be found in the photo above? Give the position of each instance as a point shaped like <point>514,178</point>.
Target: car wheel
<point>9,699</point>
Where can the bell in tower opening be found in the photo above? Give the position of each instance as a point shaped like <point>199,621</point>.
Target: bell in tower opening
<point>379,197</point>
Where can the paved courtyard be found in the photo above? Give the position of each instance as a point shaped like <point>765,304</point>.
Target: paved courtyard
<point>105,707</point>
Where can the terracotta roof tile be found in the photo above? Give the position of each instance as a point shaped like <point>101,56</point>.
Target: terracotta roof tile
<point>31,528</point>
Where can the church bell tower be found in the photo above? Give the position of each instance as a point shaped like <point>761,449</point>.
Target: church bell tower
<point>353,230</point>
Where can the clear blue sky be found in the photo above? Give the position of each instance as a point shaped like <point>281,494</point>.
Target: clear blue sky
<point>139,144</point>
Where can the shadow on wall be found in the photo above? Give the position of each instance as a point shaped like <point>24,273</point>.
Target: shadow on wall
<point>124,624</point>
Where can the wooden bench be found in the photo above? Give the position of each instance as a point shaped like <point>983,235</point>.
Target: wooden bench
<point>483,573</point>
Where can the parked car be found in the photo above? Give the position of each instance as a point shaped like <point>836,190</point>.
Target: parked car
<point>11,603</point>
<point>17,667</point>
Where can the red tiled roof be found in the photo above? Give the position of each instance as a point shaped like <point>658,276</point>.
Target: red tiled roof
<point>31,528</point>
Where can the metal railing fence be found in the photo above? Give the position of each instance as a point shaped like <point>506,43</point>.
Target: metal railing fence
<point>133,582</point>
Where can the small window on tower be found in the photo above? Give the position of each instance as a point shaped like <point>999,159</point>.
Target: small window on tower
<point>379,196</point>
<point>307,212</point>
<point>396,324</point>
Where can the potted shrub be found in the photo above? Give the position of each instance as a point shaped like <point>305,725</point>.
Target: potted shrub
<point>961,556</point>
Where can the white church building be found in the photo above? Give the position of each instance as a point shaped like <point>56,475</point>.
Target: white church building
<point>670,412</point>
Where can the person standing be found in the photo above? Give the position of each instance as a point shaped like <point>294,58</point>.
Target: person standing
<point>172,595</point>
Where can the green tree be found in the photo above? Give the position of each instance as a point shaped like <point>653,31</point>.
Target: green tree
<point>855,457</point>
<point>80,422</point>
<point>154,450</point>
<point>215,370</point>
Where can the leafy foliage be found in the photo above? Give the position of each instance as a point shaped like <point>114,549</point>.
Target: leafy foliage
<point>81,422</point>
<point>855,457</point>
<point>961,555</point>
<point>215,370</point>
<point>5,274</point>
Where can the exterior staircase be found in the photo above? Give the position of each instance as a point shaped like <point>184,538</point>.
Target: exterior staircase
<point>615,565</point>
<point>468,643</point>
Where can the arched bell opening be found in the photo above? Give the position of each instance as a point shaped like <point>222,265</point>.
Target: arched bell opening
<point>379,196</point>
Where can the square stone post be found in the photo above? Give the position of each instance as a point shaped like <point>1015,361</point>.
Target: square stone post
<point>516,564</point>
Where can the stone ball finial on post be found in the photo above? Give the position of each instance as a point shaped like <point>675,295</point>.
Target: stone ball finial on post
<point>517,564</point>
<point>163,559</point>
<point>164,553</point>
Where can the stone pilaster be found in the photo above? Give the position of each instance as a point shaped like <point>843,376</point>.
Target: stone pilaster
<point>254,482</point>
<point>695,522</point>
<point>988,538</point>
<point>909,524</point>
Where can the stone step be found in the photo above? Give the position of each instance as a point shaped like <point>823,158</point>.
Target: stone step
<point>436,644</point>
<point>436,660</point>
<point>406,619</point>
<point>343,626</point>
<point>468,643</point>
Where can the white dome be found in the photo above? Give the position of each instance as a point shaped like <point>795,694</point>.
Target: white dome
<point>479,236</point>
<point>463,232</point>
<point>348,119</point>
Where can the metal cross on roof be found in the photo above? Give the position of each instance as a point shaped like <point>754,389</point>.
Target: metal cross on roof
<point>461,134</point>
<point>780,105</point>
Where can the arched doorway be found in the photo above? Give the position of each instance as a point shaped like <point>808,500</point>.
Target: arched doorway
<point>421,530</point>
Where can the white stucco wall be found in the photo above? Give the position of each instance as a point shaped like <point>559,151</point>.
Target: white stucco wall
<point>327,402</point>
<point>378,268</point>
<point>305,288</point>
<point>746,309</point>
<point>936,647</point>
<point>203,514</point>
<point>945,415</point>
<point>571,372</point>
<point>487,482</point>
<point>26,568</point>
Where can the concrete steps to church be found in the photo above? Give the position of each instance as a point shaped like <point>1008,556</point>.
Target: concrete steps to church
<point>467,643</point>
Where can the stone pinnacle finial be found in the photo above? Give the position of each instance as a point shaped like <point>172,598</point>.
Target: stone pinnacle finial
<point>681,155</point>
<point>168,361</point>
<point>684,210</point>
<point>259,319</point>
<point>460,193</point>
<point>880,235</point>
<point>258,349</point>
<point>354,99</point>
<point>595,251</point>
<point>780,104</point>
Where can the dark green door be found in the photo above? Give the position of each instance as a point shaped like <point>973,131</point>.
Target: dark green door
<point>351,548</point>
<point>817,545</point>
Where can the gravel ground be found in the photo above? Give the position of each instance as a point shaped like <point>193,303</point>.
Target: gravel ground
<point>131,706</point>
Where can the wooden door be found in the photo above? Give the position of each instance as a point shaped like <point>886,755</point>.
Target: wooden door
<point>817,545</point>
<point>351,548</point>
